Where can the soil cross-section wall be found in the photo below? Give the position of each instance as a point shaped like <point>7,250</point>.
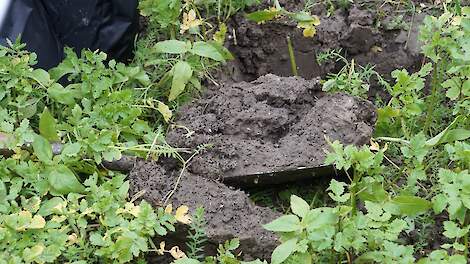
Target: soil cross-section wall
<point>272,124</point>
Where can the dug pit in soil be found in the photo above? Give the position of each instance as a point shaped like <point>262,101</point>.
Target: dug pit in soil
<point>273,123</point>
<point>269,125</point>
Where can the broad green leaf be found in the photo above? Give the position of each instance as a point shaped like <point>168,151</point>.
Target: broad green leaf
<point>55,205</point>
<point>263,15</point>
<point>452,230</point>
<point>42,149</point>
<point>61,95</point>
<point>47,126</point>
<point>182,72</point>
<point>71,149</point>
<point>63,181</point>
<point>283,251</point>
<point>439,203</point>
<point>410,205</point>
<point>41,76</point>
<point>285,223</point>
<point>206,50</point>
<point>172,46</point>
<point>439,137</point>
<point>299,206</point>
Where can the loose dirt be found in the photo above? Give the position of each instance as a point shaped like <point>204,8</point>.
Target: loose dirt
<point>271,124</point>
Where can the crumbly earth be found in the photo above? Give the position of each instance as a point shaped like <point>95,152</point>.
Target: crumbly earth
<point>271,124</point>
<point>229,213</point>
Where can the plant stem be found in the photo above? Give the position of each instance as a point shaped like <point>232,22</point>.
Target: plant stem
<point>293,64</point>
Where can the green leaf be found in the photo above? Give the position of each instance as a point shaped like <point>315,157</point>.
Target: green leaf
<point>452,230</point>
<point>285,223</point>
<point>63,181</point>
<point>47,126</point>
<point>53,206</point>
<point>410,205</point>
<point>42,149</point>
<point>439,138</point>
<point>299,206</point>
<point>182,72</point>
<point>61,95</point>
<point>71,149</point>
<point>263,15</point>
<point>41,76</point>
<point>206,50</point>
<point>172,47</point>
<point>283,251</point>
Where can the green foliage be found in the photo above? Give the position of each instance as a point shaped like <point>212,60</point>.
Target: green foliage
<point>197,235</point>
<point>58,205</point>
<point>304,19</point>
<point>352,79</point>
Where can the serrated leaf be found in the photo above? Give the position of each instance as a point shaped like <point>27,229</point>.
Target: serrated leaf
<point>299,206</point>
<point>63,181</point>
<point>47,126</point>
<point>206,50</point>
<point>285,223</point>
<point>182,72</point>
<point>283,251</point>
<point>172,46</point>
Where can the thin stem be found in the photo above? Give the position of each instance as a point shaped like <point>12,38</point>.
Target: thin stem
<point>293,64</point>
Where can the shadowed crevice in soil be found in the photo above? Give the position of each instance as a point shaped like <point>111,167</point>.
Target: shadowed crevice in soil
<point>229,213</point>
<point>272,124</point>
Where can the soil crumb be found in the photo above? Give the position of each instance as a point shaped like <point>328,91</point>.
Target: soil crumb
<point>271,124</point>
<point>229,213</point>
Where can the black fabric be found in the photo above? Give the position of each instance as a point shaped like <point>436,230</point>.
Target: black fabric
<point>46,26</point>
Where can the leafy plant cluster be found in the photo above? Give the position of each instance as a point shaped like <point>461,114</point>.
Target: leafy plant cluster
<point>58,203</point>
<point>412,178</point>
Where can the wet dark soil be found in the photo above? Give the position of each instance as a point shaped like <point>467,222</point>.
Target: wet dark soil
<point>271,124</point>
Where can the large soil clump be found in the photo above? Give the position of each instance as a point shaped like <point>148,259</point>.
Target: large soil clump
<point>271,124</point>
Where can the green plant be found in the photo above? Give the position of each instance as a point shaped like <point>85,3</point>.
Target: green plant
<point>352,78</point>
<point>197,235</point>
<point>304,19</point>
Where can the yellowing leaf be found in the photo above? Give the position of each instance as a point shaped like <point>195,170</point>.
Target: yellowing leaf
<point>72,239</point>
<point>169,209</point>
<point>30,254</point>
<point>182,216</point>
<point>37,222</point>
<point>161,250</point>
<point>164,111</point>
<point>177,253</point>
<point>309,32</point>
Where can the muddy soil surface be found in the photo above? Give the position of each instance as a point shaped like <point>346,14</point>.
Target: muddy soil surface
<point>370,32</point>
<point>271,124</point>
<point>229,213</point>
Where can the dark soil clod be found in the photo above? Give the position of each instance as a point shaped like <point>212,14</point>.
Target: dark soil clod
<point>269,125</point>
